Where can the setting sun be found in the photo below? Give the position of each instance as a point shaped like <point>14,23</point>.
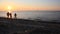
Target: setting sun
<point>9,7</point>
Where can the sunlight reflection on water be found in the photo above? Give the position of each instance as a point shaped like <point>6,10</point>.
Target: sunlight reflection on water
<point>44,15</point>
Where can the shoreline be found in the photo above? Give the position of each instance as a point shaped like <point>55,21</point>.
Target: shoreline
<point>20,25</point>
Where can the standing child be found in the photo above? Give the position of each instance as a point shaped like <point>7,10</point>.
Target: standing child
<point>8,14</point>
<point>15,15</point>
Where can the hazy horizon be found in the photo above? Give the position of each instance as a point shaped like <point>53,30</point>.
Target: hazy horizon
<point>42,15</point>
<point>29,5</point>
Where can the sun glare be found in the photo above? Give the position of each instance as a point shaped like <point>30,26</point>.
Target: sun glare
<point>9,7</point>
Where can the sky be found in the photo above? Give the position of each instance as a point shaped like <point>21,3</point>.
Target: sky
<point>30,4</point>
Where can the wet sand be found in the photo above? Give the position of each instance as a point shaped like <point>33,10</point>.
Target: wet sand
<point>26,26</point>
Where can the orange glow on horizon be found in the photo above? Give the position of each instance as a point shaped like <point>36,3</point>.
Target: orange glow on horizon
<point>12,7</point>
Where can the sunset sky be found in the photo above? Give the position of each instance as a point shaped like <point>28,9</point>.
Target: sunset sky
<point>30,4</point>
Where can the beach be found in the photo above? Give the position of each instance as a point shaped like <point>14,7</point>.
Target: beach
<point>29,17</point>
<point>26,26</point>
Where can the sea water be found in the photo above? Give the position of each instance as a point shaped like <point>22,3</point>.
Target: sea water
<point>42,15</point>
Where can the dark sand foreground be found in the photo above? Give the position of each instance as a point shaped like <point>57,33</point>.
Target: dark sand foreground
<point>25,26</point>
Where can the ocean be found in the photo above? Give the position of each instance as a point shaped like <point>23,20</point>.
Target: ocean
<point>33,15</point>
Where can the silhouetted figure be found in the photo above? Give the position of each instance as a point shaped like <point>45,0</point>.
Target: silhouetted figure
<point>15,15</point>
<point>8,14</point>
